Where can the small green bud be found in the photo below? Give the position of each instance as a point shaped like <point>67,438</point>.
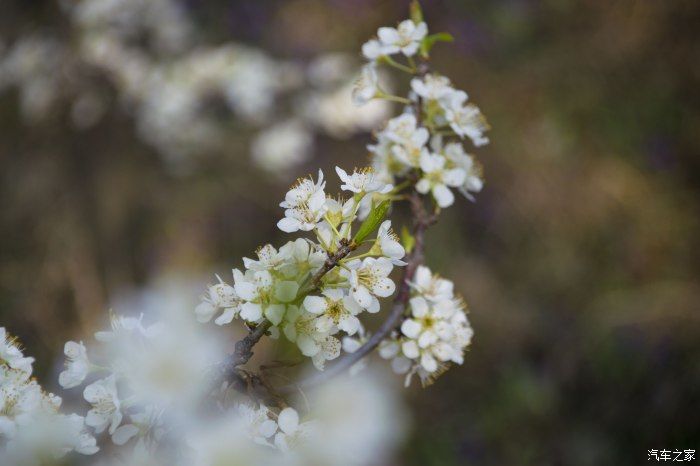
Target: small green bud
<point>416,12</point>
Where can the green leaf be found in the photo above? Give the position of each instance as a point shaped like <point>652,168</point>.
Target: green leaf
<point>416,12</point>
<point>428,42</point>
<point>372,222</point>
<point>407,240</point>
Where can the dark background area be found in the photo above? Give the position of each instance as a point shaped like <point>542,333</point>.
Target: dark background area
<point>579,260</point>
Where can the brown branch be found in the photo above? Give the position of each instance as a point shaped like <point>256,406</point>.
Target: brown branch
<point>421,221</point>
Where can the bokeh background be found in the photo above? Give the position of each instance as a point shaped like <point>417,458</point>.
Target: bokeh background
<point>580,259</point>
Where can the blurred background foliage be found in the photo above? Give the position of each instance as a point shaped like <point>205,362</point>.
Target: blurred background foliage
<point>579,260</point>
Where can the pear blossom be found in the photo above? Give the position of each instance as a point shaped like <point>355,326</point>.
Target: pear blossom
<point>388,244</point>
<point>437,179</point>
<point>300,257</point>
<point>336,309</point>
<point>410,140</point>
<point>304,205</point>
<point>260,426</point>
<point>362,181</point>
<point>473,181</point>
<point>106,406</point>
<point>434,335</point>
<point>125,325</point>
<point>431,286</point>
<point>405,38</point>
<point>292,432</point>
<point>301,328</point>
<point>373,49</point>
<point>367,85</point>
<point>219,296</point>
<point>432,86</point>
<point>465,119</point>
<point>257,290</point>
<point>11,355</point>
<point>77,365</point>
<point>368,280</point>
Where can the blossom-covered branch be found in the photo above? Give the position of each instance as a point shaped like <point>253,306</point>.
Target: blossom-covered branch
<point>144,380</point>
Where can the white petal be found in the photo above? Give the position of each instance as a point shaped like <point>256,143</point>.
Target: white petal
<point>124,433</point>
<point>246,290</point>
<point>315,304</point>
<point>362,296</point>
<point>410,349</point>
<point>288,420</point>
<point>428,362</point>
<point>205,311</point>
<point>410,328</point>
<point>251,312</point>
<point>288,225</point>
<point>349,324</point>
<point>387,35</point>
<point>419,307</point>
<point>443,195</point>
<point>307,345</point>
<point>226,317</point>
<point>384,287</point>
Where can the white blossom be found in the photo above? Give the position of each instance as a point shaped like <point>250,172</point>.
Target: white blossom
<point>432,86</point>
<point>304,205</point>
<point>219,296</point>
<point>473,181</point>
<point>77,365</point>
<point>373,49</point>
<point>301,328</point>
<point>437,179</point>
<point>388,244</point>
<point>336,310</point>
<point>11,355</point>
<point>362,181</point>
<point>292,432</point>
<point>260,426</point>
<point>434,335</point>
<point>369,279</point>
<point>432,286</point>
<point>256,288</point>
<point>465,119</point>
<point>405,38</point>
<point>106,406</point>
<point>367,85</point>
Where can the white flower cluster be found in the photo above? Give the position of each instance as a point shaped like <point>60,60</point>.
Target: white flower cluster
<point>167,392</point>
<point>168,82</point>
<point>413,141</point>
<point>435,334</point>
<point>32,430</point>
<point>147,375</point>
<point>276,287</point>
